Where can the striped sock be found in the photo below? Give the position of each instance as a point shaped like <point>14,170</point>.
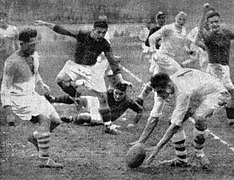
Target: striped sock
<point>199,139</point>
<point>180,150</point>
<point>178,140</point>
<point>43,140</point>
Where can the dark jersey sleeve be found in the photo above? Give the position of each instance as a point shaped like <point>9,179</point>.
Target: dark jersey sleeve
<point>106,46</point>
<point>153,30</point>
<point>134,106</point>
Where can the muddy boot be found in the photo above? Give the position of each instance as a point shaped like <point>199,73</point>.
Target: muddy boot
<point>49,163</point>
<point>202,160</point>
<point>176,163</point>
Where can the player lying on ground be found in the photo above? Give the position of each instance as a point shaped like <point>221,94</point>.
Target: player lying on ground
<point>118,102</point>
<point>186,87</point>
<point>19,98</point>
<point>89,46</point>
<point>218,43</point>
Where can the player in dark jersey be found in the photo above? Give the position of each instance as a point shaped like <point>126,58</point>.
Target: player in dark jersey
<point>218,43</point>
<point>118,102</point>
<point>89,46</point>
<point>160,20</point>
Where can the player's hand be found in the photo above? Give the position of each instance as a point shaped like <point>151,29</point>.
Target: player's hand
<point>10,117</point>
<point>134,143</point>
<point>206,7</point>
<point>139,101</point>
<point>45,88</point>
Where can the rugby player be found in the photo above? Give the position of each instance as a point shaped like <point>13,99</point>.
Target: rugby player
<point>118,102</point>
<point>218,43</point>
<point>19,98</point>
<point>185,86</point>
<point>89,46</point>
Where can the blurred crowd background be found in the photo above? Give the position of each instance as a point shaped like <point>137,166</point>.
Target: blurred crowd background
<point>117,11</point>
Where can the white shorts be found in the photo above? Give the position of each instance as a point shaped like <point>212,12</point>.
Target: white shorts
<point>221,72</point>
<point>33,104</point>
<point>166,63</point>
<point>92,76</point>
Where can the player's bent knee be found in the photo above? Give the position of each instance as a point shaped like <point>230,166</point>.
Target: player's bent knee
<point>200,123</point>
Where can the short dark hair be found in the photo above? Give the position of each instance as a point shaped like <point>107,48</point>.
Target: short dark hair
<point>26,34</point>
<point>159,80</point>
<point>212,14</point>
<point>121,87</point>
<point>100,24</point>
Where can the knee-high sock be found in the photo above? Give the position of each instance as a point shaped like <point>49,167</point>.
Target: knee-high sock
<point>82,118</point>
<point>43,140</point>
<point>179,144</point>
<point>199,137</point>
<point>66,99</point>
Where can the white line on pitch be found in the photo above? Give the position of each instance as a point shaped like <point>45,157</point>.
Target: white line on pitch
<point>190,119</point>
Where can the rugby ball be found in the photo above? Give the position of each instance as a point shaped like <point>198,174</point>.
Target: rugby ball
<point>135,155</point>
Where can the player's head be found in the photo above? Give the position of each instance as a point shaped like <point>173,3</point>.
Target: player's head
<point>160,18</point>
<point>180,18</point>
<point>28,41</point>
<point>99,30</point>
<point>211,10</point>
<point>213,21</point>
<point>120,91</point>
<point>3,18</point>
<point>162,84</point>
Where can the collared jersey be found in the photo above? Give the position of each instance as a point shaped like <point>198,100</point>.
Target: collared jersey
<point>18,78</point>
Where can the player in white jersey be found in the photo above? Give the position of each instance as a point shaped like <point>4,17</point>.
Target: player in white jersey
<point>173,50</point>
<point>8,40</point>
<point>19,98</point>
<point>186,86</point>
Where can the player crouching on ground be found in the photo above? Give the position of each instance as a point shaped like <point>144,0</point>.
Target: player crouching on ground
<point>19,98</point>
<point>118,102</point>
<point>184,85</point>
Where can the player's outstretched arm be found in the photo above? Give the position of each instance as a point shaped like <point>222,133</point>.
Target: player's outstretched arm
<point>56,28</point>
<point>201,27</point>
<point>44,23</point>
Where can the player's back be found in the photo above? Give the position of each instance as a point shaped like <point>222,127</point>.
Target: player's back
<point>194,82</point>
